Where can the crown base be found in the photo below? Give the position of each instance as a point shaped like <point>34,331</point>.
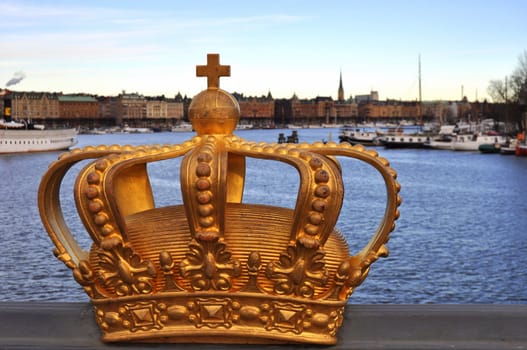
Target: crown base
<point>205,317</point>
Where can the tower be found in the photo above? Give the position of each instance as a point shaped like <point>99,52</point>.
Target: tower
<point>341,89</point>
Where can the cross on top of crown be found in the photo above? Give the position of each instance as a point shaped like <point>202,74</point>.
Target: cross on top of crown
<point>213,71</point>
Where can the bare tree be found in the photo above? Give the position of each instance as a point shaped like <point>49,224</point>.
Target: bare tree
<point>497,90</point>
<point>510,88</point>
<point>512,93</point>
<point>520,82</point>
<point>519,79</point>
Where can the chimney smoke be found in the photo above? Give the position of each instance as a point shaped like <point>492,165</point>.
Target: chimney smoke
<point>17,78</point>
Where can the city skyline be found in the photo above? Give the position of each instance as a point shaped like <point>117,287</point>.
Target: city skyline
<point>286,48</point>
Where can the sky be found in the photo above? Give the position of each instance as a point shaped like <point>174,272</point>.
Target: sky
<point>284,47</point>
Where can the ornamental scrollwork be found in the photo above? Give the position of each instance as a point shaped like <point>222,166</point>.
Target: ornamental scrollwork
<point>208,264</point>
<point>298,271</point>
<point>125,271</point>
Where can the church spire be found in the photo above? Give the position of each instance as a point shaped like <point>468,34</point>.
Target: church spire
<point>341,89</point>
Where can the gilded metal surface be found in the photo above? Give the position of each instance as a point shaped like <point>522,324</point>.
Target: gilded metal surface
<point>214,269</point>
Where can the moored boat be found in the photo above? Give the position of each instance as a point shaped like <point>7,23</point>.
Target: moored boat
<point>36,140</point>
<point>414,136</point>
<point>244,126</point>
<point>471,142</point>
<point>490,148</point>
<point>521,150</point>
<point>404,141</point>
<point>354,135</point>
<point>133,130</point>
<point>521,145</point>
<point>440,142</point>
<point>24,136</point>
<point>182,127</point>
<point>509,148</point>
<point>443,140</point>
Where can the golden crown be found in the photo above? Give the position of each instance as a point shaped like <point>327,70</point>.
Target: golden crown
<point>214,269</point>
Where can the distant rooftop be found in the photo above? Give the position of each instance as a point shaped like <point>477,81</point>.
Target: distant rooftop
<point>76,98</point>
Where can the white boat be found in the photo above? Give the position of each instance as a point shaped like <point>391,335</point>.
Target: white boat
<point>131,130</point>
<point>521,150</point>
<point>335,125</point>
<point>401,140</point>
<point>355,135</point>
<point>23,139</point>
<point>443,140</point>
<point>440,142</point>
<point>244,126</point>
<point>471,142</point>
<point>400,137</point>
<point>294,126</point>
<point>509,148</point>
<point>182,127</point>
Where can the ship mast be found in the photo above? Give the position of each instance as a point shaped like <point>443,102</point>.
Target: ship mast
<point>420,110</point>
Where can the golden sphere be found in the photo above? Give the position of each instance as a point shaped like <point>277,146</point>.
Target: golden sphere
<point>214,111</point>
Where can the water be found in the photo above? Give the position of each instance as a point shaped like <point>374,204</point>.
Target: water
<point>461,237</point>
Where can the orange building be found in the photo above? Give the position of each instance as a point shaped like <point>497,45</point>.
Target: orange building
<point>75,108</point>
<point>131,109</point>
<point>258,111</point>
<point>38,106</point>
<point>389,110</point>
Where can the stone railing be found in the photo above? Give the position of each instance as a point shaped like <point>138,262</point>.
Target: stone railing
<point>34,325</point>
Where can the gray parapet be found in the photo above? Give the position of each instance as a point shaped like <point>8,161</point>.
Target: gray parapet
<point>32,325</point>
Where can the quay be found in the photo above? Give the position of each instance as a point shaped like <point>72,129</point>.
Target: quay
<point>46,325</point>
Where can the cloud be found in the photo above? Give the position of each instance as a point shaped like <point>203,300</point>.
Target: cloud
<point>42,33</point>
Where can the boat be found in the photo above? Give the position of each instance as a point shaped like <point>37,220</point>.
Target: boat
<point>509,148</point>
<point>402,140</point>
<point>443,140</point>
<point>355,135</point>
<point>244,126</point>
<point>490,148</point>
<point>521,145</point>
<point>182,127</point>
<point>132,130</point>
<point>471,142</point>
<point>440,142</point>
<point>332,126</point>
<point>398,138</point>
<point>294,126</point>
<point>19,137</point>
<point>521,150</point>
<point>293,138</point>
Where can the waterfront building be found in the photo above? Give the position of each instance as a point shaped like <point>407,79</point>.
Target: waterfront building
<point>346,112</point>
<point>258,111</point>
<point>131,109</point>
<point>313,111</point>
<point>108,111</point>
<point>175,109</point>
<point>77,110</point>
<point>372,96</point>
<point>388,111</point>
<point>135,110</point>
<point>162,112</point>
<point>36,106</point>
<point>156,108</point>
<point>282,112</point>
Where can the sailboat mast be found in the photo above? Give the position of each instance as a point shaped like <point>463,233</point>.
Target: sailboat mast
<point>420,111</point>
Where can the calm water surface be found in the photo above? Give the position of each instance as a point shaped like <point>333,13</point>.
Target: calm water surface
<point>461,237</point>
